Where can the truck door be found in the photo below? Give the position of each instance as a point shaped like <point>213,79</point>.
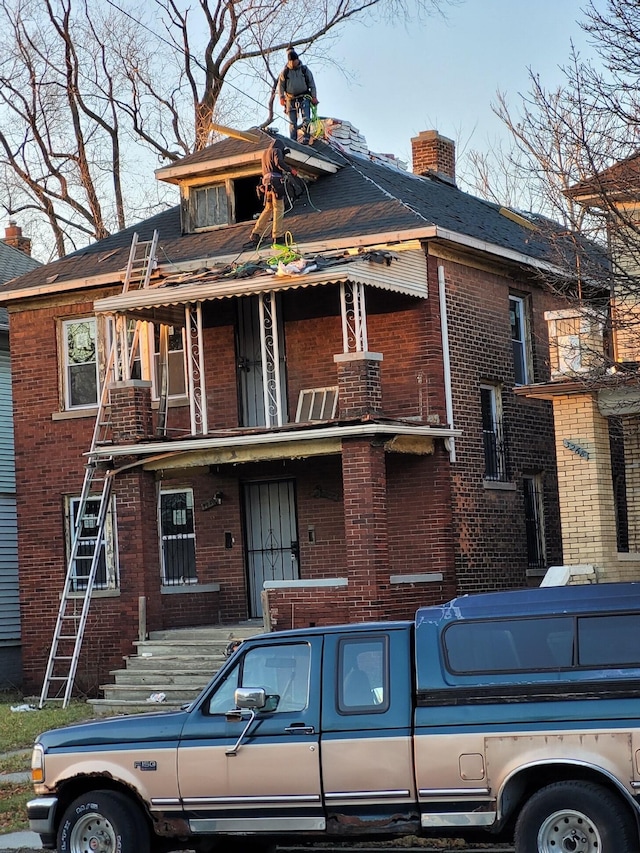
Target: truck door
<point>366,745</point>
<point>269,780</point>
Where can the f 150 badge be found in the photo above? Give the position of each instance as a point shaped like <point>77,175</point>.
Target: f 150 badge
<point>145,765</point>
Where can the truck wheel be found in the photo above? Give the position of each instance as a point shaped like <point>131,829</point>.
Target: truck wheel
<point>576,817</point>
<point>102,822</point>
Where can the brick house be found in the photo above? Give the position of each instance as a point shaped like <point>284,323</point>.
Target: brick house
<point>338,444</point>
<point>15,260</point>
<point>595,393</point>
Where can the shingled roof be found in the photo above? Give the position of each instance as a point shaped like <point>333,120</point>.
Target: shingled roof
<point>362,198</point>
<point>13,263</point>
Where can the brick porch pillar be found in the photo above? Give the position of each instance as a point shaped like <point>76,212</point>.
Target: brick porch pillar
<point>359,388</point>
<point>631,432</point>
<point>138,548</point>
<point>365,521</point>
<point>131,414</point>
<point>587,509</point>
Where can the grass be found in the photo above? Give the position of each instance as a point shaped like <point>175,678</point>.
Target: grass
<point>18,730</point>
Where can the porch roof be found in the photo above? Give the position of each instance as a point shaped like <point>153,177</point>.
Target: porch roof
<point>405,272</point>
<point>295,441</point>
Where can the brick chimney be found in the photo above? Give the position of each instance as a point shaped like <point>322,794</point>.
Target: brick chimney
<point>433,154</point>
<point>13,237</point>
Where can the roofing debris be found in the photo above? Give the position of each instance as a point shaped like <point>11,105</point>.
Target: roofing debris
<point>344,136</point>
<point>286,261</point>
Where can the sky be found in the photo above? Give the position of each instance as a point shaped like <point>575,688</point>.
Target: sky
<point>443,73</point>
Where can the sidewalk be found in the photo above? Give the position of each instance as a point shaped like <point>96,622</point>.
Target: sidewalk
<point>16,840</point>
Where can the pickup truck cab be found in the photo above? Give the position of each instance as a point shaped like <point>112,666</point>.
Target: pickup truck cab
<point>511,715</point>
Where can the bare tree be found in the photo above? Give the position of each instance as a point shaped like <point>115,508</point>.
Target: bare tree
<point>574,157</point>
<point>89,90</point>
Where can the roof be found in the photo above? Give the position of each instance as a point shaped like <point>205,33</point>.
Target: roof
<point>361,200</point>
<point>619,183</point>
<point>13,263</point>
<point>547,600</point>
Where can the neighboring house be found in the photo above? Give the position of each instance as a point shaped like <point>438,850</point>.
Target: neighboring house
<point>343,444</point>
<point>14,261</point>
<point>595,392</point>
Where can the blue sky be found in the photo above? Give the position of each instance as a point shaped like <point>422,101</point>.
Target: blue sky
<point>443,73</point>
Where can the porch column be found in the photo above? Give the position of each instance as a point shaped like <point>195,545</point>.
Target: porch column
<point>359,386</point>
<point>131,414</point>
<point>138,550</point>
<point>365,521</point>
<point>631,433</point>
<point>587,508</point>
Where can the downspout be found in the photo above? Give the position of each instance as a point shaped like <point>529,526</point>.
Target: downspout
<point>450,443</point>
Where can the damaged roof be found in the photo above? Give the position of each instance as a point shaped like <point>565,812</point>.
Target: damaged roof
<point>360,198</point>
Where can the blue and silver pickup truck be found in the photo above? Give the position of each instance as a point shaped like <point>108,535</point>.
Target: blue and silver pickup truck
<point>511,715</point>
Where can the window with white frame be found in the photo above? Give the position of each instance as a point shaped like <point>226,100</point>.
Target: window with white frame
<point>222,203</point>
<point>80,363</point>
<point>107,576</point>
<point>520,339</point>
<point>178,537</point>
<point>495,464</point>
<point>534,521</point>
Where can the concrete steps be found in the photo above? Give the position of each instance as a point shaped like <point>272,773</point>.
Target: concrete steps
<point>170,668</point>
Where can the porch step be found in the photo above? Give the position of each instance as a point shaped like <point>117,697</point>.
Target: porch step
<point>175,663</point>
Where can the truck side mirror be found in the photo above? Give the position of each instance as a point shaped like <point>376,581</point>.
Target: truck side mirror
<point>250,698</point>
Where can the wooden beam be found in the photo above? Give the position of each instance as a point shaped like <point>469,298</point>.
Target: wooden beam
<point>236,134</point>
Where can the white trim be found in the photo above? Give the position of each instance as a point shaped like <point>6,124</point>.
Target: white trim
<point>271,437</point>
<point>422,577</point>
<point>371,241</point>
<point>180,589</point>
<point>308,584</point>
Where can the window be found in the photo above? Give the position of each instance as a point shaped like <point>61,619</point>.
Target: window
<point>176,363</point>
<point>178,537</point>
<point>520,339</point>
<point>216,205</point>
<point>209,206</point>
<point>495,467</point>
<point>282,671</point>
<point>510,645</point>
<point>534,521</point>
<point>107,570</point>
<point>609,640</point>
<point>363,675</point>
<point>79,352</point>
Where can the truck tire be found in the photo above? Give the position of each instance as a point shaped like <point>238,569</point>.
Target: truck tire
<point>102,822</point>
<point>579,816</point>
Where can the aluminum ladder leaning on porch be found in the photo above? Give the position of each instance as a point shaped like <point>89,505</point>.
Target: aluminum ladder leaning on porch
<point>76,594</point>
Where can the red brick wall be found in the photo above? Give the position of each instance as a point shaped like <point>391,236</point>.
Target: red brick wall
<point>304,608</point>
<point>488,524</point>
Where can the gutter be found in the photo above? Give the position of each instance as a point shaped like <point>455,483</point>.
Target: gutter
<point>384,238</point>
<point>446,356</point>
<point>286,436</point>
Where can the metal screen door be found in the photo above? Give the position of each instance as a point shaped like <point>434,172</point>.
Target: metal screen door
<point>271,536</point>
<point>255,411</point>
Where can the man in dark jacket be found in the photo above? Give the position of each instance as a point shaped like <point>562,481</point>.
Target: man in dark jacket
<point>297,91</point>
<point>274,169</point>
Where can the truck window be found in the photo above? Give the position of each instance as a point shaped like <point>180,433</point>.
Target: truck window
<point>510,645</point>
<point>363,681</point>
<point>609,640</point>
<point>281,670</point>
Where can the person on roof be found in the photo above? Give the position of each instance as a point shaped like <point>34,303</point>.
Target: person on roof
<point>274,170</point>
<point>297,91</point>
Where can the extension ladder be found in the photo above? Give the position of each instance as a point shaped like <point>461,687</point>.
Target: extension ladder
<point>68,634</point>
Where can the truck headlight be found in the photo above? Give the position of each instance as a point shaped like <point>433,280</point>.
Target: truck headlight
<point>37,764</point>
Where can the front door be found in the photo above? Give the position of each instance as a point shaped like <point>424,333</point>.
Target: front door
<point>269,779</point>
<point>271,535</point>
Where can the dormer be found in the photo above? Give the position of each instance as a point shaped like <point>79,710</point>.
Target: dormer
<point>218,185</point>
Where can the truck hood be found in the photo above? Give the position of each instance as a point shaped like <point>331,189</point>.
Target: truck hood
<point>135,728</point>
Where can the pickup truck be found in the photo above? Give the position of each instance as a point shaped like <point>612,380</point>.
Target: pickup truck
<point>499,716</point>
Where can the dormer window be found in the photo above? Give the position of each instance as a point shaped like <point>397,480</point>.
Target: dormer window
<point>220,203</point>
<point>209,206</point>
